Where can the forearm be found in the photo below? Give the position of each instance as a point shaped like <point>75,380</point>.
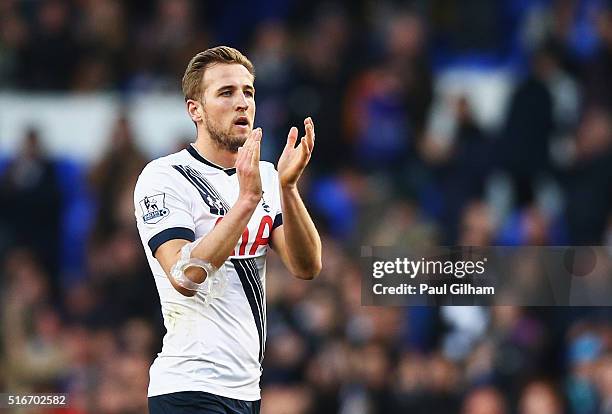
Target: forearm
<point>302,241</point>
<point>218,245</point>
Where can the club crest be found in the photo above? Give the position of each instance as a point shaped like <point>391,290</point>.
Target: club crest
<point>154,208</point>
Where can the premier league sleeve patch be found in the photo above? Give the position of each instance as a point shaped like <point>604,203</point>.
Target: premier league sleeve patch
<point>154,208</point>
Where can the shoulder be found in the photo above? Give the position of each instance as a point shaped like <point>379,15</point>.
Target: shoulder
<point>163,164</point>
<point>159,169</point>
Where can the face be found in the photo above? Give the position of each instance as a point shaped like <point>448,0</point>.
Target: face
<point>227,109</point>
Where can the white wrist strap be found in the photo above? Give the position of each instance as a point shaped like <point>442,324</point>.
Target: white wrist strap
<point>214,284</point>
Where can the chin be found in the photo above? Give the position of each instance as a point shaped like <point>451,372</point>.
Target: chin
<point>241,138</point>
<point>235,141</point>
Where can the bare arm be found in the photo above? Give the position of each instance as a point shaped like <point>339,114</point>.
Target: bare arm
<point>297,241</point>
<point>217,245</point>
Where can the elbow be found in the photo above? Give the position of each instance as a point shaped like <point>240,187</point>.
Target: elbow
<point>310,272</point>
<point>185,292</point>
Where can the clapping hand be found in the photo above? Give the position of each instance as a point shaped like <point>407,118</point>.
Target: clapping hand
<point>294,159</point>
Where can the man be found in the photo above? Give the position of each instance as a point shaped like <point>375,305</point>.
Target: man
<point>206,216</point>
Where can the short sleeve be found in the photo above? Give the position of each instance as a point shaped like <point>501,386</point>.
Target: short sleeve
<point>162,211</point>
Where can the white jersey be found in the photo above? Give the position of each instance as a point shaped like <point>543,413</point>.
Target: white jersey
<point>216,348</point>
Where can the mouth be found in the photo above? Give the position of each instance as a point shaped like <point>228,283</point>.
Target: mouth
<point>242,122</point>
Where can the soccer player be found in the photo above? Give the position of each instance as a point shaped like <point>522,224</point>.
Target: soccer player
<point>206,216</point>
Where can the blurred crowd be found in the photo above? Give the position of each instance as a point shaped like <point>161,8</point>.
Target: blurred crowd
<point>398,161</point>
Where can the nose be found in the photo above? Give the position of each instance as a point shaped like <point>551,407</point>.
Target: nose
<point>242,104</point>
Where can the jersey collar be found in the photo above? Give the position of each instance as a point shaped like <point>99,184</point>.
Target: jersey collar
<point>195,154</point>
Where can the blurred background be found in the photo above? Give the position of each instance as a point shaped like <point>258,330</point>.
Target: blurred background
<point>438,122</point>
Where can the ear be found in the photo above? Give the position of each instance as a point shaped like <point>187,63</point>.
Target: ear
<point>194,108</point>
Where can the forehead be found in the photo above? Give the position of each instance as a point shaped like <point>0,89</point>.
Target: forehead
<point>223,74</point>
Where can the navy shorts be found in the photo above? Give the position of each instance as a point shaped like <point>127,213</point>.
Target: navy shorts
<point>192,402</point>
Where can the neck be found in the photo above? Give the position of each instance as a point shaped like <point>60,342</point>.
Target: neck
<point>209,150</point>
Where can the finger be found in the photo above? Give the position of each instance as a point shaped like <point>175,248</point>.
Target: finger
<point>255,138</point>
<point>253,135</point>
<point>246,144</point>
<point>257,135</point>
<point>249,141</point>
<point>310,133</point>
<point>239,158</point>
<point>310,136</point>
<point>249,152</point>
<point>309,129</point>
<point>292,137</point>
<point>309,121</point>
<point>255,147</point>
<point>255,155</point>
<point>313,129</point>
<point>304,150</point>
<point>245,153</point>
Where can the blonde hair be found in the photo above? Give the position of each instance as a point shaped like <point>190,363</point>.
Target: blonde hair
<point>194,74</point>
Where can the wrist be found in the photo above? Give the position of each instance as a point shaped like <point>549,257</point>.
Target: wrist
<point>249,201</point>
<point>288,186</point>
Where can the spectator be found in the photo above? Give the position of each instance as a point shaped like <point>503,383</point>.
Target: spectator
<point>598,90</point>
<point>464,170</point>
<point>604,383</point>
<point>524,145</point>
<point>587,182</point>
<point>540,397</point>
<point>484,401</point>
<point>113,175</point>
<point>52,42</point>
<point>34,358</point>
<point>30,204</point>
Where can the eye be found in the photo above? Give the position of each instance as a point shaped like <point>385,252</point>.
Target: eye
<point>226,93</point>
<point>250,94</point>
